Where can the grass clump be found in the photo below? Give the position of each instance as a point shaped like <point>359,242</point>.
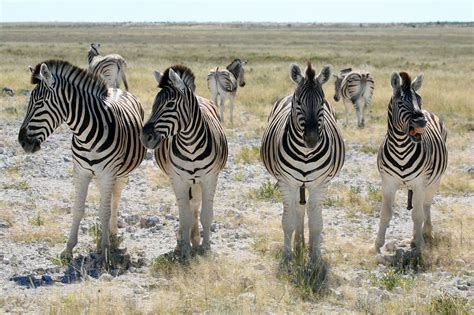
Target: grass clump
<point>391,279</point>
<point>248,155</point>
<point>37,220</point>
<point>267,192</point>
<point>21,185</point>
<point>447,303</point>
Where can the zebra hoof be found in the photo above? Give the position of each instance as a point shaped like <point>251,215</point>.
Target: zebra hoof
<point>66,255</point>
<point>315,274</point>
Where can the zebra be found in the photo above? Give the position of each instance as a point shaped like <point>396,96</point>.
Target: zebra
<point>413,154</point>
<point>302,148</point>
<point>191,148</point>
<point>111,67</point>
<point>223,85</point>
<point>106,125</point>
<point>356,87</point>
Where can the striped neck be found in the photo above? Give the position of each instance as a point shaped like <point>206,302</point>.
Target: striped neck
<point>195,120</point>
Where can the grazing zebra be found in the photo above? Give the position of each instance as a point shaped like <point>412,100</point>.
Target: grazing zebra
<point>223,85</point>
<point>413,154</point>
<point>110,67</point>
<point>106,125</point>
<point>191,149</point>
<point>356,87</point>
<point>302,148</point>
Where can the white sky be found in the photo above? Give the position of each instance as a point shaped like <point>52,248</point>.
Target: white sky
<point>385,11</point>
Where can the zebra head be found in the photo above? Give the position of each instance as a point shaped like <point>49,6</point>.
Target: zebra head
<point>236,67</point>
<point>405,106</point>
<point>171,111</point>
<point>43,115</point>
<point>308,102</point>
<point>93,52</point>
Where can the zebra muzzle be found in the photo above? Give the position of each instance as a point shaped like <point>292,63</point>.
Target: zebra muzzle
<point>415,131</point>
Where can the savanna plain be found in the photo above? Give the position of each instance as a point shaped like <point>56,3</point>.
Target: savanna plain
<point>241,273</point>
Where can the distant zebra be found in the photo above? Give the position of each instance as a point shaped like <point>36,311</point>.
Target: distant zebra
<point>413,154</point>
<point>106,125</point>
<point>356,87</point>
<point>302,148</point>
<point>110,67</point>
<point>223,85</point>
<point>191,149</point>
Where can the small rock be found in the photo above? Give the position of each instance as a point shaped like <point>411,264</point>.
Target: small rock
<point>66,158</point>
<point>149,155</point>
<point>4,224</point>
<point>213,227</point>
<point>391,246</point>
<point>148,222</point>
<point>170,217</point>
<point>105,277</point>
<point>132,219</point>
<point>337,294</point>
<point>8,91</point>
<point>463,287</point>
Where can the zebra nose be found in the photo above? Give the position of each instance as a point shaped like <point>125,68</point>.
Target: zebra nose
<point>336,98</point>
<point>310,139</point>
<point>418,119</point>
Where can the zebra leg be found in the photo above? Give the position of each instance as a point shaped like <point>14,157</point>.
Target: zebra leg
<point>116,193</point>
<point>289,196</point>
<point>315,272</point>
<point>427,227</point>
<point>389,189</point>
<point>360,113</point>
<point>222,107</point>
<point>207,211</point>
<point>418,217</point>
<point>81,186</point>
<point>299,230</point>
<point>347,106</point>
<point>181,190</point>
<point>195,205</point>
<point>315,221</point>
<point>231,105</point>
<point>106,186</point>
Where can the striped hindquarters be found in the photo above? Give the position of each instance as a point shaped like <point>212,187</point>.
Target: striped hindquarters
<point>111,68</point>
<point>221,81</point>
<point>356,85</point>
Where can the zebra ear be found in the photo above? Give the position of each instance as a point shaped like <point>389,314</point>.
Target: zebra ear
<point>157,76</point>
<point>416,84</point>
<point>177,82</point>
<point>396,81</point>
<point>45,75</point>
<point>295,73</point>
<point>31,69</point>
<point>324,75</point>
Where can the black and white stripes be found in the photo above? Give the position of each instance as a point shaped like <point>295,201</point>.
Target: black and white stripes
<point>111,67</point>
<point>223,85</point>
<point>106,125</point>
<point>191,149</point>
<point>413,154</point>
<point>302,148</point>
<point>356,87</point>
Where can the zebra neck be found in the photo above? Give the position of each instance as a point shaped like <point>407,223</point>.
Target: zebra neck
<point>85,114</point>
<point>398,140</point>
<point>195,120</point>
<point>91,56</point>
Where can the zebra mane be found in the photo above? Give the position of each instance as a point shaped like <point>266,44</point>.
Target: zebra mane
<point>62,69</point>
<point>310,73</point>
<point>406,81</point>
<point>347,70</point>
<point>184,73</point>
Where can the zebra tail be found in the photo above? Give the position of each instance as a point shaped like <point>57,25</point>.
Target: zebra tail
<point>122,66</point>
<point>410,199</point>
